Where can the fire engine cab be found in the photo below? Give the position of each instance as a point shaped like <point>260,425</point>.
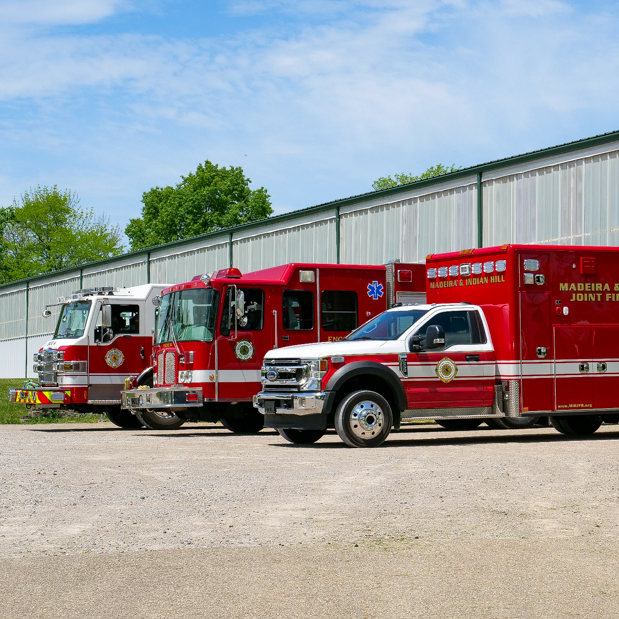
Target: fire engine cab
<point>512,331</point>
<point>212,332</point>
<point>103,334</point>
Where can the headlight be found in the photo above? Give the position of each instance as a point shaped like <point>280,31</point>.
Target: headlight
<point>317,368</point>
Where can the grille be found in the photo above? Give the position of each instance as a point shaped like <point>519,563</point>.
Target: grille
<point>170,369</point>
<point>278,362</point>
<point>160,369</point>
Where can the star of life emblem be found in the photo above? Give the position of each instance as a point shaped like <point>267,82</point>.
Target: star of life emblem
<point>375,290</point>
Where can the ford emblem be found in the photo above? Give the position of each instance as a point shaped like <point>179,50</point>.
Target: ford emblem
<point>272,375</point>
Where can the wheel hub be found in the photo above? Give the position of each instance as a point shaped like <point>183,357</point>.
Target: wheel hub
<point>366,419</point>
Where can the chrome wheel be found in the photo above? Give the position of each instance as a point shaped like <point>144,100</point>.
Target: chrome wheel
<point>363,419</point>
<point>366,419</point>
<point>159,420</point>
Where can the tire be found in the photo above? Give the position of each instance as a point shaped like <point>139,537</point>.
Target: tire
<point>122,418</point>
<point>610,418</point>
<point>155,420</point>
<point>509,423</point>
<point>363,419</point>
<point>578,425</point>
<point>301,437</point>
<point>459,425</point>
<point>251,422</point>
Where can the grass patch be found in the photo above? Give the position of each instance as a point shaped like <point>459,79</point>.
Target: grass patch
<point>10,412</point>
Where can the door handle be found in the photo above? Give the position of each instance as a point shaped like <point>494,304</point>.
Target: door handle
<point>583,368</point>
<point>602,366</point>
<point>472,357</point>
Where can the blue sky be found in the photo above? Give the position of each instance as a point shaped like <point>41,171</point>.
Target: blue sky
<point>315,99</point>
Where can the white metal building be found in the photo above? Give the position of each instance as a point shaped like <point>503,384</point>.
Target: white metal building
<point>566,194</point>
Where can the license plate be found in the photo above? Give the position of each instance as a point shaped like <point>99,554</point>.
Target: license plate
<point>269,407</point>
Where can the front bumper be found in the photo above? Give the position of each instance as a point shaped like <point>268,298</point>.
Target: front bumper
<point>170,398</point>
<point>274,403</point>
<point>41,398</point>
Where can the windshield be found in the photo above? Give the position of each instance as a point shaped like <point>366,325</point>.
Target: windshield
<point>388,325</point>
<point>72,320</point>
<point>190,313</point>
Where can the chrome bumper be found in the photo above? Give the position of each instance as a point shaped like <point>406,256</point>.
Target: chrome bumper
<point>171,398</point>
<point>273,403</point>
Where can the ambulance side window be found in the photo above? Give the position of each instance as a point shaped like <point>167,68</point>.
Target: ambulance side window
<point>338,310</point>
<point>298,310</point>
<point>461,328</point>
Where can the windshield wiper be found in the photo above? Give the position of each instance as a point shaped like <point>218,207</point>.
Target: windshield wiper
<point>363,337</point>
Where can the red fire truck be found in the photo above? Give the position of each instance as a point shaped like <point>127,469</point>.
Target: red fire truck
<point>212,332</point>
<point>513,331</point>
<point>102,335</point>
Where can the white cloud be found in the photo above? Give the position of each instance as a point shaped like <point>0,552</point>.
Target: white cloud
<point>65,12</point>
<point>322,110</point>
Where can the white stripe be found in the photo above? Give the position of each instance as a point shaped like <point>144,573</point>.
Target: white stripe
<point>226,376</point>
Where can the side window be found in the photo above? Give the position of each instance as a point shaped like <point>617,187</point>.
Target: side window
<point>458,327</point>
<point>254,311</point>
<point>298,310</point>
<point>339,310</point>
<point>126,319</point>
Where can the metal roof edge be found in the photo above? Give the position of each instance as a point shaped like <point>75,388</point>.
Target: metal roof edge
<point>480,168</point>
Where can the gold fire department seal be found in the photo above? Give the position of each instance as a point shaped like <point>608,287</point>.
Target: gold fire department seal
<point>446,370</point>
<point>114,358</point>
<point>244,350</point>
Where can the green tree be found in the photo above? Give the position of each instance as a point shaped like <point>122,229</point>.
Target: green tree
<point>209,199</point>
<point>47,230</point>
<point>385,182</point>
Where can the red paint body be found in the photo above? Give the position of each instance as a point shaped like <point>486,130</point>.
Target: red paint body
<point>217,368</point>
<point>568,306</point>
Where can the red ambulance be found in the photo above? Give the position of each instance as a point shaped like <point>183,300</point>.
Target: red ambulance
<point>513,331</point>
<point>211,333</point>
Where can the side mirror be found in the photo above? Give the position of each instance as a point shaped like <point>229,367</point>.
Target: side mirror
<point>46,314</point>
<point>106,316</point>
<point>435,337</point>
<point>414,344</point>
<point>239,304</point>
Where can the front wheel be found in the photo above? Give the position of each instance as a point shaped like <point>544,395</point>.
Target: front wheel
<point>363,419</point>
<point>159,420</point>
<point>249,422</point>
<point>301,437</point>
<point>512,423</point>
<point>459,425</point>
<point>578,425</point>
<point>122,418</point>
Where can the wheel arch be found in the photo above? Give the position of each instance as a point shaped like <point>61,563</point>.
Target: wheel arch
<point>145,375</point>
<point>366,375</point>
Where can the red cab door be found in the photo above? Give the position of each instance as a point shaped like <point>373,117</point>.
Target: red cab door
<point>459,375</point>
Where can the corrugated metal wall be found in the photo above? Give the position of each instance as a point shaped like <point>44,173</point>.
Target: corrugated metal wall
<point>573,203</point>
<point>563,197</point>
<point>307,242</point>
<point>182,266</point>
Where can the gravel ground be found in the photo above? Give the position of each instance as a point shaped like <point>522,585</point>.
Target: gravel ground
<point>205,523</point>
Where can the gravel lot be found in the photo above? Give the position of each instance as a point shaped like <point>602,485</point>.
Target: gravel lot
<point>96,521</point>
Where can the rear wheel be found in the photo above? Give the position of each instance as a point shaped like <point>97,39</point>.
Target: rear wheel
<point>512,423</point>
<point>301,437</point>
<point>578,425</point>
<point>159,420</point>
<point>122,418</point>
<point>247,421</point>
<point>363,419</point>
<point>459,424</point>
